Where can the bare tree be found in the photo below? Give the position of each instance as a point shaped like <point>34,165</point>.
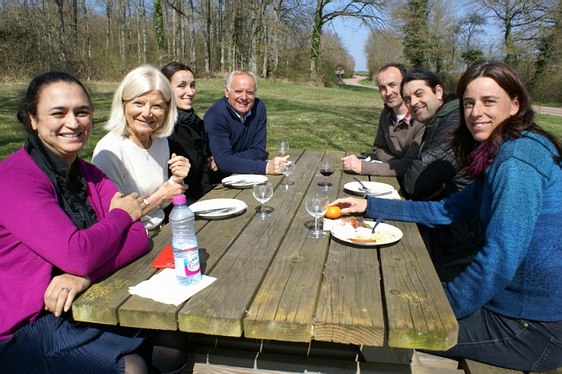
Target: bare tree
<point>370,13</point>
<point>383,47</point>
<point>520,22</point>
<point>62,31</point>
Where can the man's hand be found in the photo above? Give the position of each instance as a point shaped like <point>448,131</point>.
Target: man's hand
<point>276,165</point>
<point>61,292</point>
<point>352,163</point>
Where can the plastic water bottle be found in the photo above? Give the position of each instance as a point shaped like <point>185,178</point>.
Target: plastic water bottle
<point>184,242</point>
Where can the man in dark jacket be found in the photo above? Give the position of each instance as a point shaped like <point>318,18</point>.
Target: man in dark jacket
<point>435,173</point>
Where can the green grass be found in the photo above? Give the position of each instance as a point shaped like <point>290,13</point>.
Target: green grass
<point>338,118</point>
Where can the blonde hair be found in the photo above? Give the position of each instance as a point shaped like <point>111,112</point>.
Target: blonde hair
<point>138,82</point>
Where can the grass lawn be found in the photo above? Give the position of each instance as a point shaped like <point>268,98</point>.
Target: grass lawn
<point>338,118</point>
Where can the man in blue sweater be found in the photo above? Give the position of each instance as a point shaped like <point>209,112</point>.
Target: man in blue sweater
<point>236,129</point>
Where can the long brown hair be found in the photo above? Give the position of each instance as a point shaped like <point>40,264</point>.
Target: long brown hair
<point>463,143</point>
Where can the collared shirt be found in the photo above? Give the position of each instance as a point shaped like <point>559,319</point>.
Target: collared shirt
<point>241,118</point>
<point>396,145</point>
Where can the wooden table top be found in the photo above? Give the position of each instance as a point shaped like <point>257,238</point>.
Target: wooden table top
<point>274,282</point>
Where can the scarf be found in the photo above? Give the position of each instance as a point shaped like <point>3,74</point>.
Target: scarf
<point>186,117</point>
<point>72,193</point>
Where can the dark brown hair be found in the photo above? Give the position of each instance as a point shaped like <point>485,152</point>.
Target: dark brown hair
<point>173,67</point>
<point>463,143</point>
<point>28,104</point>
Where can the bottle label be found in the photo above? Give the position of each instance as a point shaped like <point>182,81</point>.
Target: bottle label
<point>189,264</point>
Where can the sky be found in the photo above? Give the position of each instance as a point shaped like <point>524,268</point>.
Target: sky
<point>353,37</point>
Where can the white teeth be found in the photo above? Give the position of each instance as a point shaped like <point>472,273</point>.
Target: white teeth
<point>70,135</point>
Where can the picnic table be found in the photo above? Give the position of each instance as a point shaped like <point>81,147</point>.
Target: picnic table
<point>275,284</point>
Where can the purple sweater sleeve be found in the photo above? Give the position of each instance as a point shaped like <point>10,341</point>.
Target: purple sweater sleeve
<point>43,227</point>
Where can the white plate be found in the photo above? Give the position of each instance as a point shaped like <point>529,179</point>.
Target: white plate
<point>375,188</point>
<point>233,206</point>
<point>243,180</point>
<point>390,234</point>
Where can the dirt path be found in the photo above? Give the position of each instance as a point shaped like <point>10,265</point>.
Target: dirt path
<point>355,81</point>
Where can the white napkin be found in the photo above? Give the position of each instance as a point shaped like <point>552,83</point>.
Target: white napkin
<point>164,288</point>
<point>368,159</point>
<point>393,195</point>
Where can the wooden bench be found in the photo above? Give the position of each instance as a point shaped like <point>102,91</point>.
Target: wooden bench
<point>474,367</point>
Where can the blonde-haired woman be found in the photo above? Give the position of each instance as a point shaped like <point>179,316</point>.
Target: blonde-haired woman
<point>135,154</point>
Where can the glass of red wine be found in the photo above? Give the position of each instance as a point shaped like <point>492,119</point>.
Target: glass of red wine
<point>326,169</point>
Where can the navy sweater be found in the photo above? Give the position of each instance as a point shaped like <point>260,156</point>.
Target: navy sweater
<point>518,271</point>
<point>237,147</point>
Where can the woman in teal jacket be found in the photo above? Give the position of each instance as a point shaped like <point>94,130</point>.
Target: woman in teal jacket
<point>508,300</point>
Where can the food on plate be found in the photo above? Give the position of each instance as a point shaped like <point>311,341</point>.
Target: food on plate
<point>333,212</point>
<point>357,231</point>
<point>354,222</point>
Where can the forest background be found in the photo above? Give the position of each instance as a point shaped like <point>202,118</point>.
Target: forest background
<point>284,39</point>
<point>288,43</point>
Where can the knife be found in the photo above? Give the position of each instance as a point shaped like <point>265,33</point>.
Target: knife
<point>215,210</point>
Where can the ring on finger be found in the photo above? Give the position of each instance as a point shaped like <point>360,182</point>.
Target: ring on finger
<point>65,289</point>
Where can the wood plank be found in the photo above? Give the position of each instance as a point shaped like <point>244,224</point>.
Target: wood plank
<point>350,306</point>
<point>146,313</point>
<point>418,312</point>
<point>475,367</point>
<point>220,308</point>
<point>388,355</point>
<point>427,360</point>
<point>285,313</point>
<point>99,303</point>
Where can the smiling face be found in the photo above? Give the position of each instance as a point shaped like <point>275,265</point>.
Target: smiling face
<point>241,93</point>
<point>183,84</point>
<point>421,101</point>
<point>145,114</point>
<point>486,105</point>
<point>64,119</point>
<point>389,87</point>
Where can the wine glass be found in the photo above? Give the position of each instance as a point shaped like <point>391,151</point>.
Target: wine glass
<point>283,147</point>
<point>287,170</point>
<point>326,169</point>
<point>263,192</point>
<point>316,206</point>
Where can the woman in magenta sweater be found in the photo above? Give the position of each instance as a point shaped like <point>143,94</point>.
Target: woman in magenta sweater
<point>63,224</point>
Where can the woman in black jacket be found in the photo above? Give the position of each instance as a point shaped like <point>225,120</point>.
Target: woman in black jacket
<point>188,138</point>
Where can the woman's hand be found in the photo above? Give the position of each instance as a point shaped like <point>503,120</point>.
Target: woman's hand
<point>179,166</point>
<point>351,205</point>
<point>61,292</point>
<point>132,204</point>
<point>168,189</point>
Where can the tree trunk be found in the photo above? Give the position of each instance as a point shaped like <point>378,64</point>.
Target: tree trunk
<point>109,27</point>
<point>87,41</point>
<point>208,37</point>
<point>191,26</point>
<point>315,39</point>
<point>74,30</point>
<point>62,39</point>
<point>122,31</point>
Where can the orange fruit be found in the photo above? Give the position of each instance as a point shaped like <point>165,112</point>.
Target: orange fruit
<point>333,212</point>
